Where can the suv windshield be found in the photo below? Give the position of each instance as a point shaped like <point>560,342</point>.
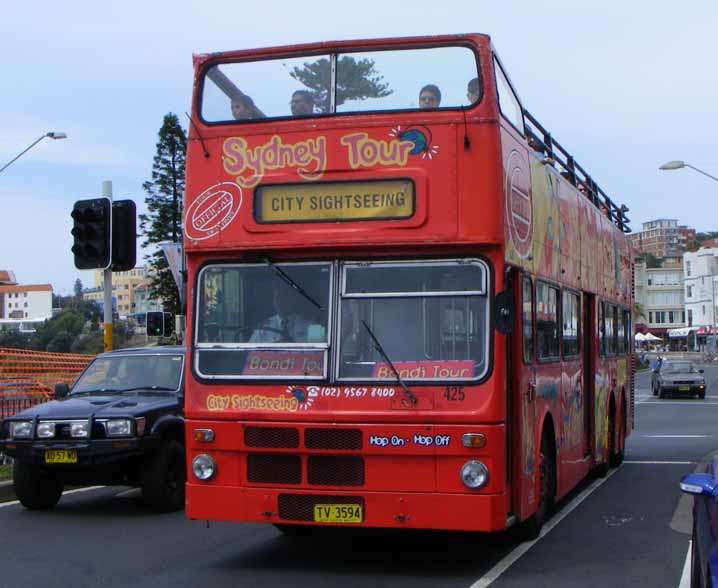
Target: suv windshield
<point>405,79</point>
<point>679,368</point>
<point>131,372</point>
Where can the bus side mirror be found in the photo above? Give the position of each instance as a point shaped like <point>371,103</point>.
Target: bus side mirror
<point>61,390</point>
<point>505,314</point>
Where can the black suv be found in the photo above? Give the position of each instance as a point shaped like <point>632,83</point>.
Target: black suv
<point>121,423</point>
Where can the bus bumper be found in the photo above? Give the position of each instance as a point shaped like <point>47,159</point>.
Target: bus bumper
<point>441,511</point>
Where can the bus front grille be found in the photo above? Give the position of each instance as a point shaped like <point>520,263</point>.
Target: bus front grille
<point>335,470</point>
<point>274,437</point>
<point>337,439</point>
<point>274,469</point>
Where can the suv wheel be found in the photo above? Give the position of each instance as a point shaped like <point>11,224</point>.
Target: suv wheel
<point>35,488</point>
<point>163,477</point>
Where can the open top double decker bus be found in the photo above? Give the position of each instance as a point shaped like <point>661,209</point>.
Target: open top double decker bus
<point>409,306</point>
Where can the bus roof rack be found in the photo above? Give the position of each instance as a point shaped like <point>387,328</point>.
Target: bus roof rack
<point>541,140</point>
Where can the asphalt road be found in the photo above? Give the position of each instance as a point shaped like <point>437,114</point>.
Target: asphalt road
<point>630,529</point>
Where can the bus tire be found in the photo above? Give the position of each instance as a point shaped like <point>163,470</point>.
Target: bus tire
<point>163,477</point>
<point>531,527</point>
<point>34,488</point>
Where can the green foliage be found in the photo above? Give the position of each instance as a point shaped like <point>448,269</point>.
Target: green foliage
<point>78,289</point>
<point>356,80</point>
<point>164,205</point>
<point>15,339</point>
<point>650,260</point>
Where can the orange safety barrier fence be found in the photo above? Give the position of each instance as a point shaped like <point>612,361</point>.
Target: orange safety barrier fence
<point>27,377</point>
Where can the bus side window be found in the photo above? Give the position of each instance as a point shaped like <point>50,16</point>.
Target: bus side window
<point>527,318</point>
<point>601,329</point>
<point>547,341</point>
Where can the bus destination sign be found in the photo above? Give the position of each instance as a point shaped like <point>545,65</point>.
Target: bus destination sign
<point>334,201</point>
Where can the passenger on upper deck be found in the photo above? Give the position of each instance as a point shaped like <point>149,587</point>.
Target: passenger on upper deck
<point>302,103</point>
<point>243,107</point>
<point>472,91</point>
<point>430,96</point>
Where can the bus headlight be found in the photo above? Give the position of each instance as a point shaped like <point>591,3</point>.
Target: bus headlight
<point>204,467</point>
<point>474,474</point>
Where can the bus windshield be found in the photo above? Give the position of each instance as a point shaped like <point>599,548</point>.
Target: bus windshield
<point>362,82</point>
<point>266,321</point>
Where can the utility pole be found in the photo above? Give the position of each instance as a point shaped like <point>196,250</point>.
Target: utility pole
<point>107,193</point>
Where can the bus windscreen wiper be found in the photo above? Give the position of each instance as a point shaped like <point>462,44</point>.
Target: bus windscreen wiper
<point>292,283</point>
<point>385,357</point>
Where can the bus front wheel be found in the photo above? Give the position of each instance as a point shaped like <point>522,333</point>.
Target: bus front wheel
<point>531,527</point>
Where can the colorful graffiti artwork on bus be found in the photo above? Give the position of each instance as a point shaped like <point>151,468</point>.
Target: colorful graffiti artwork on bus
<point>365,152</point>
<point>572,413</point>
<point>529,447</point>
<point>601,418</point>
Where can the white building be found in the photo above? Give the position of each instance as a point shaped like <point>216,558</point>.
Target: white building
<point>24,307</point>
<point>659,291</point>
<point>701,289</point>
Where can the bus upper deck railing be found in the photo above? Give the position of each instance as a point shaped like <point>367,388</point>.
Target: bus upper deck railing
<point>541,140</point>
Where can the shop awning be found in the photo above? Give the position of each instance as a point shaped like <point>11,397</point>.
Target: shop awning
<point>682,332</point>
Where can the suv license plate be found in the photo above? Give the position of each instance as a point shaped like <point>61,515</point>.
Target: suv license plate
<point>684,388</point>
<point>60,456</point>
<point>338,513</point>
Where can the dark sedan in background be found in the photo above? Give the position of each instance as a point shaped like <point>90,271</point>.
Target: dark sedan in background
<point>678,377</point>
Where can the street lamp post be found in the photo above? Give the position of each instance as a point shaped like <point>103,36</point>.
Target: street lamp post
<point>52,135</point>
<point>678,164</point>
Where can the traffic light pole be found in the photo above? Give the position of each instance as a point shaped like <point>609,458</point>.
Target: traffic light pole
<point>107,193</point>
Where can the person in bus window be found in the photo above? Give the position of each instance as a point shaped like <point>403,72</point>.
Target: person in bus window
<point>287,325</point>
<point>302,103</point>
<point>472,91</point>
<point>243,107</point>
<point>430,96</point>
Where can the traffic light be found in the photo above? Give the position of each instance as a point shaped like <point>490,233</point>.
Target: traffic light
<point>91,230</point>
<point>160,324</point>
<point>124,235</point>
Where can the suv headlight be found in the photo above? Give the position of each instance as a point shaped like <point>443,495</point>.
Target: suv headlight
<point>80,429</point>
<point>118,427</point>
<point>21,429</point>
<point>45,430</point>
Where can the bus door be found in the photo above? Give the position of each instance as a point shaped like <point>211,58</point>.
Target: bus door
<point>589,369</point>
<point>522,427</point>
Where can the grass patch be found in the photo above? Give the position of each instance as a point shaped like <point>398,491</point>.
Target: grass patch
<point>5,472</point>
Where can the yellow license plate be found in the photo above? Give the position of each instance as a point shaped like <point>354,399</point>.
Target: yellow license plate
<point>60,456</point>
<point>684,388</point>
<point>338,513</point>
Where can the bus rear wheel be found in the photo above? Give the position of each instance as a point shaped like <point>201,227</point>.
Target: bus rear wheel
<point>531,528</point>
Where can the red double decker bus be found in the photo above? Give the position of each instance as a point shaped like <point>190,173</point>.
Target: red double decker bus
<point>409,306</point>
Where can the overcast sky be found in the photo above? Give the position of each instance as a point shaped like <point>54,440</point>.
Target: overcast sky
<point>624,86</point>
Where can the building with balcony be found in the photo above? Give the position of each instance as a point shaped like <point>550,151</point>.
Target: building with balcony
<point>662,237</point>
<point>124,285</point>
<point>701,289</point>
<point>660,293</point>
<point>24,307</point>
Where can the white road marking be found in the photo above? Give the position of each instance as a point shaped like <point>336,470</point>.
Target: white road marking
<point>686,575</point>
<point>493,574</point>
<point>677,436</point>
<point>131,493</point>
<point>657,402</point>
<point>75,491</point>
<point>659,462</point>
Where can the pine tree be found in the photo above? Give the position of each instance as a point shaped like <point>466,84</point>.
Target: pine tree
<point>164,206</point>
<point>78,289</point>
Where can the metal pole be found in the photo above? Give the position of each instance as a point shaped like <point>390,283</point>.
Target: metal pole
<point>107,192</point>
<point>23,152</point>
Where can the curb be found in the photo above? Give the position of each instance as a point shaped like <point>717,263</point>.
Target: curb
<point>7,492</point>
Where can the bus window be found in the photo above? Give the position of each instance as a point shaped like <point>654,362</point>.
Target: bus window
<point>263,320</point>
<point>601,329</point>
<point>527,317</point>
<point>627,331</point>
<point>430,318</point>
<point>571,305</point>
<point>547,346</point>
<point>374,81</point>
<point>610,329</point>
<point>620,332</point>
<point>508,102</point>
